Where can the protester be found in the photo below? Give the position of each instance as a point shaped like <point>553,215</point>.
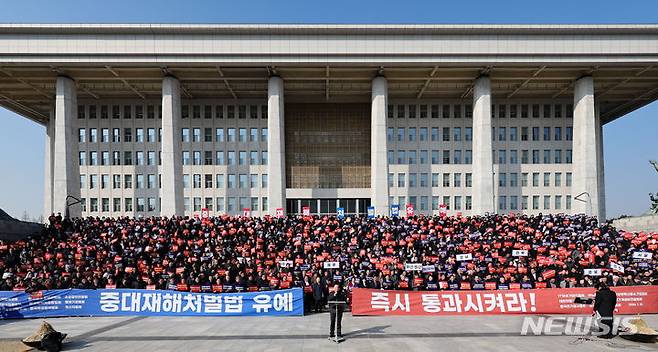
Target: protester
<point>234,254</point>
<point>604,304</point>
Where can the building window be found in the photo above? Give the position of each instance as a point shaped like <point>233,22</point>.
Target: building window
<point>413,180</point>
<point>401,180</point>
<point>435,134</point>
<point>435,179</point>
<point>502,179</point>
<point>446,180</point>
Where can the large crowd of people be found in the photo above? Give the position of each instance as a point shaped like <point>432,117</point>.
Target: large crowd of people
<point>229,254</point>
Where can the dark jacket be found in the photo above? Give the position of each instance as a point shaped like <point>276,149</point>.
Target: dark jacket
<point>605,302</point>
<point>339,296</point>
<point>318,291</point>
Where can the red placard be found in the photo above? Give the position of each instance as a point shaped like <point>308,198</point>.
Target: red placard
<point>246,212</point>
<point>548,274</point>
<point>306,211</point>
<point>204,213</point>
<point>630,300</point>
<point>443,210</point>
<point>279,212</point>
<point>410,209</point>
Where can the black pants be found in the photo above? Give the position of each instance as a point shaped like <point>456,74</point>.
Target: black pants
<point>317,305</point>
<point>332,326</point>
<point>606,323</point>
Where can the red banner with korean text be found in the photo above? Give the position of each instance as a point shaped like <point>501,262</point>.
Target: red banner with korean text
<point>630,300</point>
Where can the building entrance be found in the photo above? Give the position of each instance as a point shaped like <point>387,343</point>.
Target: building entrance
<point>328,206</point>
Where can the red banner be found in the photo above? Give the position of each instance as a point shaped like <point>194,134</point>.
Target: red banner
<point>630,300</point>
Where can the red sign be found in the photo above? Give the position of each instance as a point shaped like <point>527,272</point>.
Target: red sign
<point>279,212</point>
<point>410,210</point>
<point>630,300</point>
<point>204,213</point>
<point>548,274</point>
<point>246,212</point>
<point>443,210</point>
<point>306,211</point>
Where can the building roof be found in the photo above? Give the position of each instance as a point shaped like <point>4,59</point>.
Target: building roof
<point>327,62</point>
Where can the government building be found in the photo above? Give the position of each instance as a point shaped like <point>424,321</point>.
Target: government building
<point>149,120</point>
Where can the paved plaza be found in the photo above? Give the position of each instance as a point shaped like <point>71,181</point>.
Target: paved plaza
<point>309,333</point>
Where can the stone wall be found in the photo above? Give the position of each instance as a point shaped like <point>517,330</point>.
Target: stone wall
<point>647,223</point>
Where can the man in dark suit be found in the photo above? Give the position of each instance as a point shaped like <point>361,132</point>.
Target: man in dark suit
<point>604,304</point>
<point>318,295</point>
<point>336,310</point>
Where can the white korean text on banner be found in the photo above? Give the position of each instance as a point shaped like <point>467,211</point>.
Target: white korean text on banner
<point>279,212</point>
<point>395,210</point>
<point>630,300</point>
<point>75,302</point>
<point>443,210</point>
<point>410,210</point>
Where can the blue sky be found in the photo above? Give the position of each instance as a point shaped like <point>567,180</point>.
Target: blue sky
<point>629,142</point>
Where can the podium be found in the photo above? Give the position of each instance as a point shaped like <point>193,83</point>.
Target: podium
<point>336,304</point>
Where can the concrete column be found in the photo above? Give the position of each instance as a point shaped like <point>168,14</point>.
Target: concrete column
<point>600,168</point>
<point>483,185</point>
<point>171,192</point>
<point>48,168</point>
<point>66,166</point>
<point>378,146</point>
<point>276,146</point>
<point>587,189</point>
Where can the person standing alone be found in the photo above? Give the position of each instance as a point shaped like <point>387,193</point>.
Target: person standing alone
<point>336,311</point>
<point>604,304</point>
<point>318,295</point>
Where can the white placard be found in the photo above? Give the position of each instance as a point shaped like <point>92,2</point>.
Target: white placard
<point>642,255</point>
<point>331,265</point>
<point>617,266</point>
<point>592,272</point>
<point>429,268</point>
<point>285,263</point>
<point>519,253</point>
<point>462,257</point>
<point>413,267</point>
